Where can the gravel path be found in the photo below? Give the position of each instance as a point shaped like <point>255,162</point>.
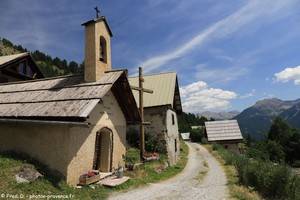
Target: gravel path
<point>186,185</point>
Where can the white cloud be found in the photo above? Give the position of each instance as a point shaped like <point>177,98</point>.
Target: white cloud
<point>199,97</point>
<point>219,74</point>
<point>248,95</point>
<point>289,74</point>
<point>255,10</point>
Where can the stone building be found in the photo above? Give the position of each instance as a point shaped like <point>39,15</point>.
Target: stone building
<point>226,133</point>
<point>161,109</point>
<point>73,123</point>
<point>18,67</point>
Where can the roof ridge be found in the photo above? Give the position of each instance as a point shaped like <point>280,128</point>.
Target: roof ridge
<point>17,54</point>
<point>39,80</point>
<point>161,73</point>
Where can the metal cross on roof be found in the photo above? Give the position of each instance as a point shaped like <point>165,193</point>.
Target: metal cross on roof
<point>97,12</point>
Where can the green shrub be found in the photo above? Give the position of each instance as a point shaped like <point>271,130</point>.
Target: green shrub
<point>294,188</point>
<point>155,143</point>
<point>132,156</point>
<point>258,151</point>
<point>204,140</point>
<point>296,164</point>
<point>196,135</point>
<point>227,156</point>
<point>270,179</point>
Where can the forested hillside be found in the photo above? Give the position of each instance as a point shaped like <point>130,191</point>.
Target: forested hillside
<point>256,120</point>
<point>49,66</point>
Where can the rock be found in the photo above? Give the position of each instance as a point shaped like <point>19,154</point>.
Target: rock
<point>21,180</point>
<point>27,174</point>
<point>92,186</point>
<point>159,169</point>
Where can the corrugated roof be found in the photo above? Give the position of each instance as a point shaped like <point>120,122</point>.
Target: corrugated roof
<point>164,89</point>
<point>6,59</point>
<point>59,97</point>
<point>223,130</point>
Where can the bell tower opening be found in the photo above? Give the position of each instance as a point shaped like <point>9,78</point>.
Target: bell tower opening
<point>103,50</point>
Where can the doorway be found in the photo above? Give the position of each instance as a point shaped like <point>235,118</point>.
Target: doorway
<point>103,150</point>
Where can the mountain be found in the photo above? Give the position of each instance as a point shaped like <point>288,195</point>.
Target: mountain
<point>219,115</point>
<point>257,119</point>
<point>49,66</point>
<point>292,115</point>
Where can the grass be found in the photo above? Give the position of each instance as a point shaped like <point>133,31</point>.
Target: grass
<point>147,173</point>
<point>236,190</point>
<point>51,185</point>
<point>48,185</point>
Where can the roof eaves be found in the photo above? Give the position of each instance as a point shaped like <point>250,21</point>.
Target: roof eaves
<point>102,18</point>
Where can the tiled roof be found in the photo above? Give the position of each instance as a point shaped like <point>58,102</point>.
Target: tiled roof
<point>62,97</point>
<point>223,130</point>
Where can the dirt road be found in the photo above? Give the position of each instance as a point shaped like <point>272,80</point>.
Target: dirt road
<point>186,185</point>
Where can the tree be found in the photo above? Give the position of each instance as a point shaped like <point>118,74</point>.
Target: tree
<point>286,138</point>
<point>73,67</point>
<point>196,135</point>
<point>280,132</point>
<point>276,151</point>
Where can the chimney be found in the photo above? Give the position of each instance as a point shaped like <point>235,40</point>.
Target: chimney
<point>97,58</point>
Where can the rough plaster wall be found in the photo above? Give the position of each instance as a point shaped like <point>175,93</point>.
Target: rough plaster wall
<point>69,150</point>
<point>233,147</point>
<point>111,116</point>
<point>157,117</point>
<point>171,136</point>
<point>46,143</point>
<point>161,126</point>
<point>94,68</point>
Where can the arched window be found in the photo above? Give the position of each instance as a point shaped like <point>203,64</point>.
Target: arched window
<point>103,49</point>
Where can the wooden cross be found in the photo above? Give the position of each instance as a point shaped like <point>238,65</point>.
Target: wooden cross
<point>97,12</point>
<point>141,91</point>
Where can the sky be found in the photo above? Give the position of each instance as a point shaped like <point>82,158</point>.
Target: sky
<point>227,54</point>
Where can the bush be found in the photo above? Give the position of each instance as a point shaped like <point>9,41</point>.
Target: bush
<point>132,156</point>
<point>196,135</point>
<point>270,179</point>
<point>204,140</point>
<point>294,188</point>
<point>155,143</point>
<point>296,164</point>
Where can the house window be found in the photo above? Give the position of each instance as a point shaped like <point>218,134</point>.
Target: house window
<point>173,119</point>
<point>175,145</point>
<point>103,50</point>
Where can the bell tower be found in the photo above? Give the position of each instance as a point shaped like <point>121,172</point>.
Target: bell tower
<point>97,58</point>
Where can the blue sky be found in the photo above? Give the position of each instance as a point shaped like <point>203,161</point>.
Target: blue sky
<point>228,54</point>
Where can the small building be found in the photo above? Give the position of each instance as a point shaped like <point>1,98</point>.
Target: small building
<point>186,136</point>
<point>72,124</point>
<point>226,133</point>
<point>161,109</point>
<point>18,67</point>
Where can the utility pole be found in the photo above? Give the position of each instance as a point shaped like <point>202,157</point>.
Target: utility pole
<point>141,91</point>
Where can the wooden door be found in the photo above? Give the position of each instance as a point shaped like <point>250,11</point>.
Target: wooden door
<point>103,150</point>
